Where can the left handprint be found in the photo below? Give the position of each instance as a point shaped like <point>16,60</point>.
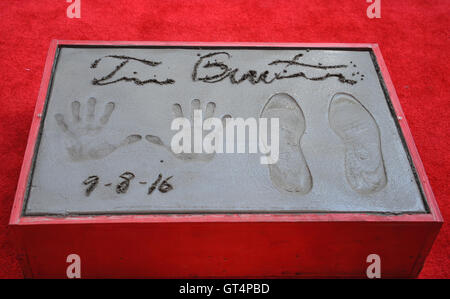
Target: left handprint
<point>84,134</point>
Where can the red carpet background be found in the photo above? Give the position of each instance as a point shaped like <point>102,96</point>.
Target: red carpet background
<point>413,36</point>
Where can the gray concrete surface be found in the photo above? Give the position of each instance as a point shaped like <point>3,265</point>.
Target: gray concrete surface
<point>349,157</point>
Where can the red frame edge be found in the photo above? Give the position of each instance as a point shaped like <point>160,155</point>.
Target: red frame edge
<point>16,219</point>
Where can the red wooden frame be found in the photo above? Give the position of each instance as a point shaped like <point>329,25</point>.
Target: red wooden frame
<point>18,221</point>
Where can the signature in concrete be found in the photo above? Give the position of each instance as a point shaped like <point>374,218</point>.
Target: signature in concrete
<point>119,74</point>
<point>215,67</point>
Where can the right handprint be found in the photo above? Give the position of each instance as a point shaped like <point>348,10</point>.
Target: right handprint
<point>196,112</point>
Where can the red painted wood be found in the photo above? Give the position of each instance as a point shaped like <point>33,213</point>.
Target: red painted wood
<point>241,249</point>
<point>224,245</point>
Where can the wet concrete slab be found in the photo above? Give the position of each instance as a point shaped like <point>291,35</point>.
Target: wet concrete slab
<point>105,144</point>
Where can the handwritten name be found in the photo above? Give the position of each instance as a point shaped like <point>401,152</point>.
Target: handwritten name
<point>217,66</point>
<point>218,63</point>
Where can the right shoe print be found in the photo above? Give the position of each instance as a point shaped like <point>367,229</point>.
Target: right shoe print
<point>358,130</point>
